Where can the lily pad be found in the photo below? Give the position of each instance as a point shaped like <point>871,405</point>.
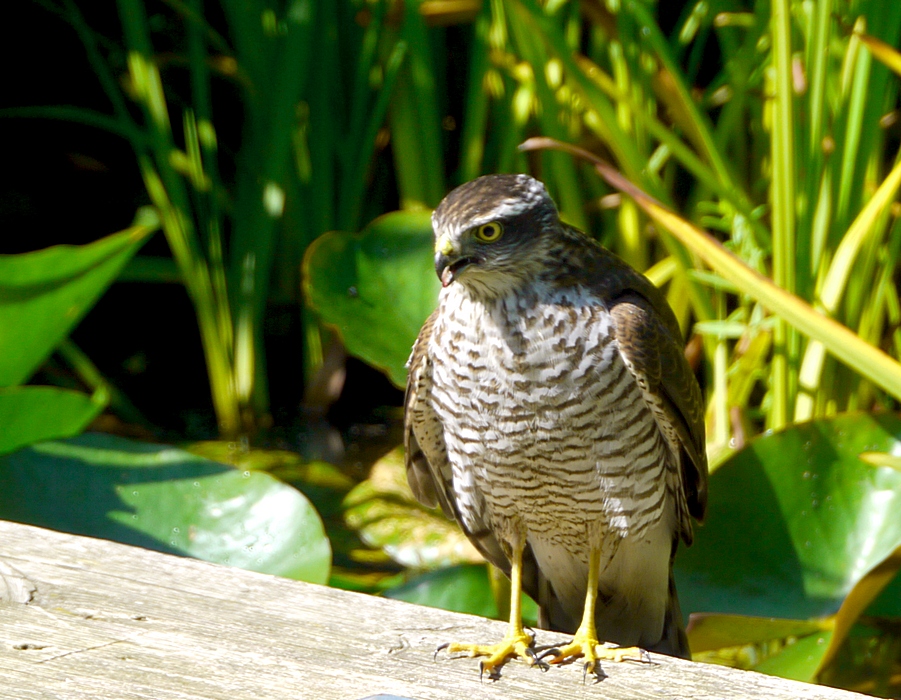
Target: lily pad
<point>45,293</point>
<point>797,522</point>
<point>163,498</point>
<point>387,516</point>
<point>465,588</point>
<point>376,288</point>
<point>708,632</point>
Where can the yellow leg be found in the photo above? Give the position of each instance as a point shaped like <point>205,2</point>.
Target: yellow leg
<point>516,643</point>
<point>585,642</point>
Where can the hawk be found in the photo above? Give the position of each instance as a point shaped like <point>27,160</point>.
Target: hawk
<point>551,411</point>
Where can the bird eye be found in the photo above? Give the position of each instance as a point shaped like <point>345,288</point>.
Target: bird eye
<point>490,232</point>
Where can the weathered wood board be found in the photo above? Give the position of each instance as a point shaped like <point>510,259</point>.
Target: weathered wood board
<point>83,618</point>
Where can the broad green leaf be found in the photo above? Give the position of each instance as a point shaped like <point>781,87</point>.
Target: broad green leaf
<point>163,498</point>
<point>376,288</point>
<point>386,515</point>
<point>707,632</point>
<point>45,293</point>
<point>787,648</point>
<point>463,588</point>
<point>288,466</point>
<point>799,660</point>
<point>802,518</point>
<point>865,591</point>
<point>32,413</point>
<point>796,522</point>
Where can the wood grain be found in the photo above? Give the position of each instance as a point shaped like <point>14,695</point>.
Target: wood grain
<point>83,618</point>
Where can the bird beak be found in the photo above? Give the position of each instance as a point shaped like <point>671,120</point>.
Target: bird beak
<point>443,269</point>
<point>448,262</point>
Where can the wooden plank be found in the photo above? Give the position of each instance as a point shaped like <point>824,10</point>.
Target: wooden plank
<point>100,620</point>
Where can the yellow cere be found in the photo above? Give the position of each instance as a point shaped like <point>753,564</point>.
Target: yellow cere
<point>444,246</point>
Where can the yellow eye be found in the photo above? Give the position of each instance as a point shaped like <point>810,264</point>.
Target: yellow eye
<point>490,232</point>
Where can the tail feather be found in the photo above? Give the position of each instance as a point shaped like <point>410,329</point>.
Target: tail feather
<point>674,641</point>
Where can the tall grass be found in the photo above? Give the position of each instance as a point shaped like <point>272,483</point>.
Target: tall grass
<point>315,87</point>
<point>786,153</point>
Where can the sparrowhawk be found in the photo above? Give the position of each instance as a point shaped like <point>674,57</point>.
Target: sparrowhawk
<point>550,410</point>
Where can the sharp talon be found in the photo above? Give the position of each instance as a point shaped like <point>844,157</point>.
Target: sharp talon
<point>494,673</point>
<point>553,651</point>
<point>440,648</point>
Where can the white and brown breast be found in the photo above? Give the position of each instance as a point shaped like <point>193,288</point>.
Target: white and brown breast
<point>544,425</point>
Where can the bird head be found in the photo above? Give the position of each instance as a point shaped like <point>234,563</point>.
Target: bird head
<point>488,231</point>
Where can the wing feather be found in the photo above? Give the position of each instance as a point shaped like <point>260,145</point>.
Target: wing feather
<point>650,342</point>
<point>428,470</point>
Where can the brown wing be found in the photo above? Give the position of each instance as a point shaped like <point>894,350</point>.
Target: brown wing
<point>657,362</point>
<point>428,471</point>
<point>650,342</point>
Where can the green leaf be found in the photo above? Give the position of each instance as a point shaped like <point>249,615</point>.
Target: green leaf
<point>32,413</point>
<point>387,516</point>
<point>796,521</point>
<point>465,588</point>
<point>45,293</point>
<point>462,588</point>
<point>163,498</point>
<point>713,631</point>
<point>799,660</point>
<point>376,288</point>
<point>865,591</point>
<point>802,517</point>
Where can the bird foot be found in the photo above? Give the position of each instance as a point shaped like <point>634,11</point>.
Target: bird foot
<point>593,651</point>
<point>515,644</point>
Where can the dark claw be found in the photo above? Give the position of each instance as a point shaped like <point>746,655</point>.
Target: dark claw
<point>536,661</point>
<point>553,651</point>
<point>493,675</point>
<point>441,648</point>
<point>597,672</point>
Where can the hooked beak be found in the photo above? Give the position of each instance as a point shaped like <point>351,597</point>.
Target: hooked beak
<point>448,262</point>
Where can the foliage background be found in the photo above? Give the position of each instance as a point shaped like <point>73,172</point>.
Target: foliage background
<point>259,137</point>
